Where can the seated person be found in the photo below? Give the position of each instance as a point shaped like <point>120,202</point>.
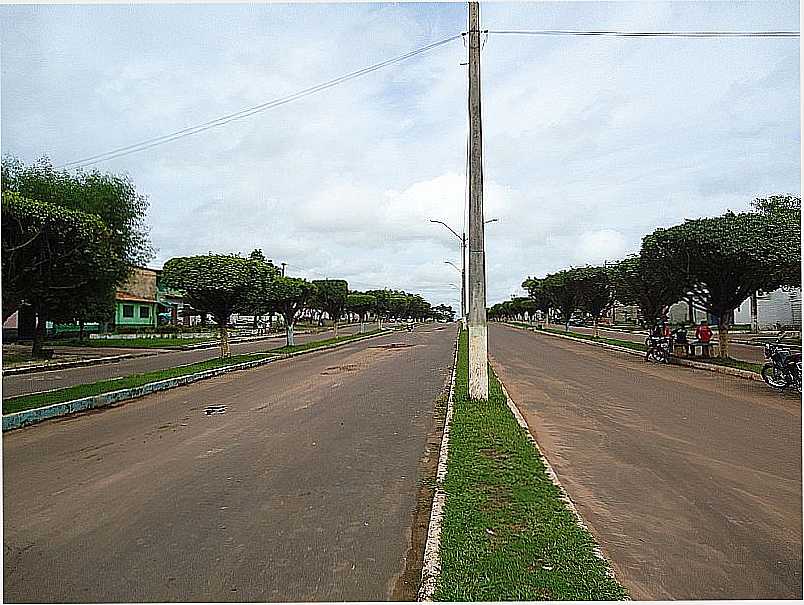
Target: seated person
<point>703,335</point>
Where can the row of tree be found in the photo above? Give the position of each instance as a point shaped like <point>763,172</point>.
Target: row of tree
<point>70,239</point>
<point>713,263</point>
<point>222,285</point>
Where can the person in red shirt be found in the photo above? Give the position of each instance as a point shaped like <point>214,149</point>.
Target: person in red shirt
<point>703,333</point>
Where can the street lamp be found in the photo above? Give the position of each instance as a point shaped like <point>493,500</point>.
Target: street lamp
<point>462,238</point>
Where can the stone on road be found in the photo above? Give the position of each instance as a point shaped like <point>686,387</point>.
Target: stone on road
<point>690,480</point>
<point>303,489</point>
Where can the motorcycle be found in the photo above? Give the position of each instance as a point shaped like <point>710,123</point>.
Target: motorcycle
<point>659,349</point>
<point>783,368</point>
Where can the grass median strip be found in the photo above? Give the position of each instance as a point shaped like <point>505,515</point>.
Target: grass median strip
<point>36,400</point>
<point>79,391</point>
<point>130,343</point>
<point>506,533</point>
<point>314,344</point>
<point>639,346</point>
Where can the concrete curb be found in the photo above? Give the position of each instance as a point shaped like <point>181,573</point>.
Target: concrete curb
<point>709,367</point>
<point>32,416</point>
<point>431,564</point>
<point>563,495</point>
<point>62,365</point>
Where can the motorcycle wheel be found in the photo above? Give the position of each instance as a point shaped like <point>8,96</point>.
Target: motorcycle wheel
<point>772,377</point>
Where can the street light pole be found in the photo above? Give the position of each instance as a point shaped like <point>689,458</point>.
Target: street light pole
<point>478,332</point>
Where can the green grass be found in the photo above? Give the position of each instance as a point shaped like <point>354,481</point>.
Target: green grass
<point>130,343</point>
<point>321,343</point>
<point>506,533</point>
<point>16,359</point>
<point>27,402</point>
<point>731,363</point>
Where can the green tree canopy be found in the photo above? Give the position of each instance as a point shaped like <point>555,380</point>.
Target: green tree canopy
<point>331,297</point>
<point>722,260</point>
<point>53,258</point>
<point>561,289</point>
<point>361,304</point>
<point>220,285</point>
<point>595,292</point>
<point>288,296</point>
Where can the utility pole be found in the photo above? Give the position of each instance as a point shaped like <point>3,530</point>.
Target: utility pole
<point>478,334</point>
<point>283,269</point>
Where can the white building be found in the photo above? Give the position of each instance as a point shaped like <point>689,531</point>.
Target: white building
<point>782,307</point>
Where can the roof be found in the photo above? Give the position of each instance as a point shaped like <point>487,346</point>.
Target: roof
<point>125,296</point>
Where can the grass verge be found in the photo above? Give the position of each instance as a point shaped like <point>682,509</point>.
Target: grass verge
<point>306,346</point>
<point>36,400</point>
<point>131,343</point>
<point>506,534</point>
<point>639,346</point>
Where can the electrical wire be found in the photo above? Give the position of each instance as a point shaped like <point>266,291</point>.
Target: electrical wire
<point>656,34</point>
<point>244,113</point>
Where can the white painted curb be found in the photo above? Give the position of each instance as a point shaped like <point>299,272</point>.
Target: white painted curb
<point>554,477</point>
<point>431,565</point>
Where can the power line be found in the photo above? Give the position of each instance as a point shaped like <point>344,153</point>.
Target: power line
<point>656,34</point>
<point>244,113</point>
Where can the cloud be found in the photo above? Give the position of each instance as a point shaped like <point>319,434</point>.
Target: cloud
<point>589,143</point>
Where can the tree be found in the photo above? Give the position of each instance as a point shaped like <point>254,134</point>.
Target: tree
<point>288,297</point>
<point>783,212</point>
<point>113,198</point>
<point>560,288</point>
<point>637,282</point>
<point>398,306</point>
<point>52,259</point>
<point>331,297</point>
<point>595,293</point>
<point>539,296</point>
<point>444,313</point>
<point>219,285</point>
<point>362,305</point>
<point>382,305</point>
<point>722,260</point>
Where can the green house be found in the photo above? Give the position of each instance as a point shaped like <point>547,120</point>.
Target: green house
<point>135,303</point>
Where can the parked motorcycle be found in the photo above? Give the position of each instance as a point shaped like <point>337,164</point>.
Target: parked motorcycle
<point>659,349</point>
<point>783,368</point>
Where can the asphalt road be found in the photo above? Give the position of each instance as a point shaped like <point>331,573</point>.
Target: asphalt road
<point>742,352</point>
<point>690,480</point>
<point>23,384</point>
<point>304,490</point>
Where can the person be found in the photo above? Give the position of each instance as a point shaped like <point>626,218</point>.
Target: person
<point>703,335</point>
<point>680,338</point>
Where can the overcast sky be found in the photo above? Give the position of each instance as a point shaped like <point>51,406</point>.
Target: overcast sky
<point>590,143</point>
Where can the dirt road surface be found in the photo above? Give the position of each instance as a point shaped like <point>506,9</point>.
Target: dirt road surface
<point>24,384</point>
<point>305,489</point>
<point>690,480</point>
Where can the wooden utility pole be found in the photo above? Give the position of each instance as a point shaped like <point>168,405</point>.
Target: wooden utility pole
<point>478,335</point>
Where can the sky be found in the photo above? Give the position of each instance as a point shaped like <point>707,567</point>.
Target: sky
<point>589,143</point>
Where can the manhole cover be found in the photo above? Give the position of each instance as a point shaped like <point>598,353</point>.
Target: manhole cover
<point>214,409</point>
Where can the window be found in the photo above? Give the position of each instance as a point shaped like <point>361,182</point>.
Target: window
<point>128,310</point>
<point>145,312</point>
